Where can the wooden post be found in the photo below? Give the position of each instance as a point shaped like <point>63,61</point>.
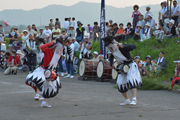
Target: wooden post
<point>170,9</point>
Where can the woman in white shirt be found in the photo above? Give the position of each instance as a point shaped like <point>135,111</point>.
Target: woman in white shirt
<point>24,38</point>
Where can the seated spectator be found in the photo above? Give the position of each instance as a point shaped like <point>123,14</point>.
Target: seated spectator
<point>115,28</point>
<point>7,54</point>
<point>12,37</point>
<point>137,60</point>
<point>175,79</point>
<point>135,15</point>
<point>108,56</point>
<point>31,31</point>
<point>149,67</point>
<point>75,63</point>
<point>159,33</point>
<point>76,44</point>
<point>161,62</point>
<point>95,56</point>
<point>43,35</point>
<point>21,56</point>
<point>71,32</point>
<point>141,22</point>
<point>101,57</point>
<point>148,32</point>
<point>120,32</point>
<point>128,33</point>
<point>138,34</point>
<point>153,23</point>
<point>14,62</point>
<point>172,31</point>
<point>24,38</point>
<point>16,45</point>
<point>2,30</point>
<point>56,32</point>
<point>178,32</point>
<point>110,31</point>
<point>96,31</point>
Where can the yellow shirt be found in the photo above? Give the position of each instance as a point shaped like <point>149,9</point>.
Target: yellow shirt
<point>56,30</point>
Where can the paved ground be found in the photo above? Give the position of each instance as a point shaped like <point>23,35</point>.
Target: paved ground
<point>83,100</point>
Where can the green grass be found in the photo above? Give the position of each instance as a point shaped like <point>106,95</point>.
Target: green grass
<point>152,47</point>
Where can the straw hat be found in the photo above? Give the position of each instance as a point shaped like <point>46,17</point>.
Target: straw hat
<point>148,24</point>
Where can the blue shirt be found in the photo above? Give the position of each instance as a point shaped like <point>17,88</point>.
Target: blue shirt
<point>2,29</point>
<point>76,46</point>
<point>174,9</point>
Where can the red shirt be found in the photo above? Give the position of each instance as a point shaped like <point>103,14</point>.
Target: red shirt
<point>16,59</point>
<point>48,54</point>
<point>120,31</point>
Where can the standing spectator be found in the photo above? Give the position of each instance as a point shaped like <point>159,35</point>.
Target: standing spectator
<point>165,12</point>
<point>71,32</point>
<point>107,27</point>
<point>175,12</point>
<point>172,31</point>
<point>76,44</point>
<point>80,32</point>
<point>85,49</point>
<point>161,13</point>
<point>142,23</point>
<point>96,31</point>
<point>137,34</point>
<point>90,30</point>
<point>2,30</point>
<point>70,22</point>
<point>24,38</point>
<point>110,22</point>
<point>12,37</point>
<point>148,32</point>
<point>31,31</point>
<point>66,24</point>
<point>75,63</point>
<point>69,53</point>
<point>16,45</point>
<point>51,24</point>
<point>128,32</point>
<point>58,23</point>
<point>120,32</point>
<point>146,19</point>
<point>56,32</point>
<point>34,27</point>
<point>115,28</point>
<point>110,31</point>
<point>73,22</point>
<point>42,35</point>
<point>16,31</point>
<point>135,15</point>
<point>13,61</point>
<point>31,53</point>
<point>48,32</point>
<point>152,21</point>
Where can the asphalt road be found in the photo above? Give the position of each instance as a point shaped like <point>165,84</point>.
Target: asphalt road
<point>83,100</point>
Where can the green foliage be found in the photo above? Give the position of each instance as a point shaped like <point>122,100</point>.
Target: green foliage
<point>7,42</point>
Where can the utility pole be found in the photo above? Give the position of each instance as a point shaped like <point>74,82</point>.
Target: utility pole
<point>170,9</point>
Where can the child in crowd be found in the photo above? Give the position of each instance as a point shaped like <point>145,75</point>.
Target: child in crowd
<point>149,67</point>
<point>160,32</point>
<point>140,66</point>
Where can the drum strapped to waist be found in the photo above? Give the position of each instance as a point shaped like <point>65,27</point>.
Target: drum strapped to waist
<point>122,68</point>
<point>50,74</point>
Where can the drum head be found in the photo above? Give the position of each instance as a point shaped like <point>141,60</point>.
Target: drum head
<point>126,68</point>
<point>82,68</point>
<point>100,69</point>
<point>114,72</point>
<point>47,74</point>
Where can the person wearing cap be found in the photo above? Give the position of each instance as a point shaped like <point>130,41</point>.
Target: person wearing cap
<point>146,19</point>
<point>80,32</point>
<point>48,32</point>
<point>95,56</point>
<point>56,32</point>
<point>120,32</point>
<point>85,48</point>
<point>152,21</point>
<point>135,15</point>
<point>175,12</point>
<point>138,33</point>
<point>31,31</point>
<point>96,31</point>
<point>14,62</point>
<point>149,67</point>
<point>176,78</point>
<point>128,32</point>
<point>75,63</point>
<point>21,56</point>
<point>58,23</point>
<point>71,32</point>
<point>66,24</point>
<point>76,45</point>
<point>172,30</point>
<point>110,22</point>
<point>24,38</point>
<point>51,24</point>
<point>69,54</point>
<point>148,32</point>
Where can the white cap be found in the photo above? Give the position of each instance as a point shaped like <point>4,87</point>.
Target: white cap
<point>137,56</point>
<point>177,61</point>
<point>171,21</point>
<point>86,36</point>
<point>101,55</point>
<point>95,52</point>
<point>150,14</point>
<point>109,52</point>
<point>148,24</point>
<point>148,7</point>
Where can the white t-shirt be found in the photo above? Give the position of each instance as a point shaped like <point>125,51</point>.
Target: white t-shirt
<point>66,24</point>
<point>48,32</point>
<point>161,13</point>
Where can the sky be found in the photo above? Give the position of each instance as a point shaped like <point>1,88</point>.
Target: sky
<point>37,4</point>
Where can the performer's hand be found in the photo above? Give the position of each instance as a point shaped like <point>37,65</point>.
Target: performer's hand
<point>170,89</point>
<point>53,42</point>
<point>114,67</point>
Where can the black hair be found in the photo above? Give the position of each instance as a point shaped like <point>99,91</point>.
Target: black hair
<point>115,24</point>
<point>161,3</point>
<point>57,19</point>
<point>88,24</point>
<point>7,53</point>
<point>73,18</point>
<point>121,24</point>
<point>15,28</point>
<point>63,31</point>
<point>161,24</point>
<point>0,25</point>
<point>50,20</point>
<point>107,23</point>
<point>95,23</point>
<point>33,24</point>
<point>161,52</point>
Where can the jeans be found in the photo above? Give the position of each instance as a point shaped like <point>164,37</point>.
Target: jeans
<point>126,37</point>
<point>177,82</point>
<point>136,37</point>
<point>70,68</point>
<point>31,62</point>
<point>95,38</point>
<point>60,66</point>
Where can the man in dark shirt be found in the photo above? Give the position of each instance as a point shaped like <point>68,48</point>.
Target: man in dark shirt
<point>80,32</point>
<point>115,28</point>
<point>58,23</point>
<point>129,32</point>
